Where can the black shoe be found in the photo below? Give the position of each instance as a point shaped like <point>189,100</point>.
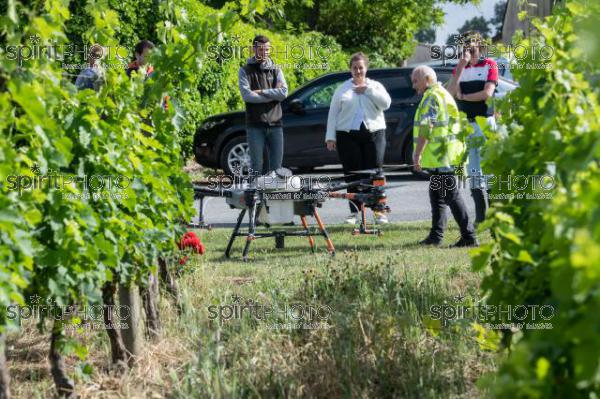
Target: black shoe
<point>430,241</point>
<point>472,242</point>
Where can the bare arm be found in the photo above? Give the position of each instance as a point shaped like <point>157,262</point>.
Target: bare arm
<point>483,95</point>
<point>421,143</point>
<point>453,86</point>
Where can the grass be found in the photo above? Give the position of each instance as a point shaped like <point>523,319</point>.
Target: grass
<point>198,173</point>
<point>379,339</point>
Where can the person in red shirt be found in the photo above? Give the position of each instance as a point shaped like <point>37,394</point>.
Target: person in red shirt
<point>139,62</point>
<point>473,84</point>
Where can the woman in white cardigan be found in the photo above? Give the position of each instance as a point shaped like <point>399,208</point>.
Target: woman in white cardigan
<point>356,125</point>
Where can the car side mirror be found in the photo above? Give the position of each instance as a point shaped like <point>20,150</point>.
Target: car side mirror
<point>296,106</point>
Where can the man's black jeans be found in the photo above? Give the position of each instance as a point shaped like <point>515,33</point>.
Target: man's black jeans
<point>360,149</point>
<point>444,191</point>
<point>480,197</point>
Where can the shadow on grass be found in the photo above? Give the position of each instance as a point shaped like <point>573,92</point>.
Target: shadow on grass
<point>402,226</point>
<point>331,228</point>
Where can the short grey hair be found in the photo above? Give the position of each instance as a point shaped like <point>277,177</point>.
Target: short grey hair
<point>427,73</point>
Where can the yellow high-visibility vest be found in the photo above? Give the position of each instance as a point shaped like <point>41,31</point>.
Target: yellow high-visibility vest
<point>444,148</point>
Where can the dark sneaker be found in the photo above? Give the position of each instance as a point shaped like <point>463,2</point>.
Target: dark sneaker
<point>430,241</point>
<point>466,243</point>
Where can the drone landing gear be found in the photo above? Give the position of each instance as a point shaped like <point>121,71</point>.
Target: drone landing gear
<point>362,228</point>
<point>279,235</point>
<point>201,224</point>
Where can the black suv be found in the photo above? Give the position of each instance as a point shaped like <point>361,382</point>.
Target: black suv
<point>220,142</point>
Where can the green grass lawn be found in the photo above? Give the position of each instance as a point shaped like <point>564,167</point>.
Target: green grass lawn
<point>370,335</point>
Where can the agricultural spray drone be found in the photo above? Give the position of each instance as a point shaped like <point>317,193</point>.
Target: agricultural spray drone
<point>275,199</point>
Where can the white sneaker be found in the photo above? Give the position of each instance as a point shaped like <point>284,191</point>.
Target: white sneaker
<point>352,218</point>
<point>380,217</point>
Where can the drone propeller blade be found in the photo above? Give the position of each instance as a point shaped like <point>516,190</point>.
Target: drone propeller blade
<point>389,186</point>
<point>397,167</point>
<point>210,192</point>
<point>385,187</point>
<point>384,169</point>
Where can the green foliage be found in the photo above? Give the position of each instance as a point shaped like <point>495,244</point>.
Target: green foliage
<point>498,19</point>
<point>478,23</point>
<point>426,36</point>
<point>136,20</point>
<point>384,29</point>
<point>302,58</point>
<point>215,90</point>
<point>547,251</point>
<point>17,248</point>
<point>56,242</point>
<point>482,25</point>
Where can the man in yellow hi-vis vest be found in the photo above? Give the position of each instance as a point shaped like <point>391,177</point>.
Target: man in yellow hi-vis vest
<point>439,150</point>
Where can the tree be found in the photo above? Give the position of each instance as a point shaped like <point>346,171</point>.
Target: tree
<point>426,35</point>
<point>378,27</point>
<point>384,29</point>
<point>482,25</point>
<point>479,24</point>
<point>498,19</point>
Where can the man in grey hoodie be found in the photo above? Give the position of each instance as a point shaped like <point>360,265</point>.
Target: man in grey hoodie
<point>263,87</point>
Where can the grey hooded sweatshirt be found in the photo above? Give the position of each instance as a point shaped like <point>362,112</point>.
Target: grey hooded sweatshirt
<point>262,109</point>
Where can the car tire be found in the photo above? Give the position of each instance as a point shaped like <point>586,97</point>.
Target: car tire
<point>235,148</point>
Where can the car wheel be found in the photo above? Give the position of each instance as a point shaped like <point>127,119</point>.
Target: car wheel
<point>235,157</point>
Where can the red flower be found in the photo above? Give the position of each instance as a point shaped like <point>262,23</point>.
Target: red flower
<point>191,240</point>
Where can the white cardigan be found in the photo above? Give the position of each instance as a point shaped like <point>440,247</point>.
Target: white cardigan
<point>345,102</point>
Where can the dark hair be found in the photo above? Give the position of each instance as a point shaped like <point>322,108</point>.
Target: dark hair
<point>141,46</point>
<point>95,52</point>
<point>471,37</point>
<point>260,39</point>
<point>359,56</point>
